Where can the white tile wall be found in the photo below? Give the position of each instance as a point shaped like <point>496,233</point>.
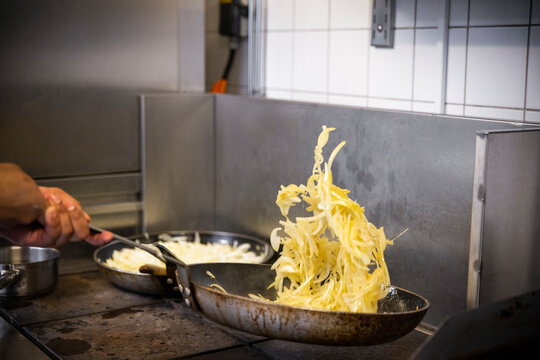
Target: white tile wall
<point>279,60</point>
<point>456,65</point>
<point>279,15</point>
<point>535,16</point>
<point>533,79</point>
<point>459,10</point>
<point>350,14</point>
<point>499,12</point>
<point>405,13</point>
<point>496,64</point>
<point>428,13</point>
<point>310,61</point>
<point>425,68</point>
<point>494,113</point>
<point>310,97</point>
<point>394,104</point>
<point>279,94</point>
<point>348,68</point>
<point>311,14</point>
<point>319,51</point>
<point>532,116</point>
<point>424,107</point>
<point>457,110</point>
<point>391,70</point>
<point>347,100</point>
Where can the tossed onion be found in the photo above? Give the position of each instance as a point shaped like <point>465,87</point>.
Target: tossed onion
<point>333,258</point>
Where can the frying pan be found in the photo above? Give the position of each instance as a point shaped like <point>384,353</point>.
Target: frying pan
<point>158,284</point>
<point>398,313</point>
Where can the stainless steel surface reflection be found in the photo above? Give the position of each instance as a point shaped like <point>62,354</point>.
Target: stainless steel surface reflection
<point>71,72</point>
<point>14,345</point>
<point>27,271</point>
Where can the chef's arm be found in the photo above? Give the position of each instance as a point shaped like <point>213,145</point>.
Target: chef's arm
<point>32,215</point>
<point>21,201</point>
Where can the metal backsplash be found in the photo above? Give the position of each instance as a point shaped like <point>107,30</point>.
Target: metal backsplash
<point>408,171</point>
<point>179,164</point>
<point>71,73</point>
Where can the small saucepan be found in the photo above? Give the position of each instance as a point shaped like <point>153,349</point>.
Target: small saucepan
<point>27,271</point>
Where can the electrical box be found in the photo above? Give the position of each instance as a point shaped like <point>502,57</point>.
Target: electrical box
<point>233,18</point>
<point>382,24</point>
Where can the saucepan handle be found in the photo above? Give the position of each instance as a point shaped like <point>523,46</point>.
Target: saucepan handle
<point>9,276</point>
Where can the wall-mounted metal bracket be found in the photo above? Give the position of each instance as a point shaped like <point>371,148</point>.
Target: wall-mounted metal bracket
<point>382,32</point>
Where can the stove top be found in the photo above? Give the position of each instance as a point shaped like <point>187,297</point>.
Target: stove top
<point>86,317</point>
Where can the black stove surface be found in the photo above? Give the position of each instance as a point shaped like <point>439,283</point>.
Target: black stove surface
<point>86,317</point>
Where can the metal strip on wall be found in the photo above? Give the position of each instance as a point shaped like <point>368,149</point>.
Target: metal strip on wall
<point>477,220</point>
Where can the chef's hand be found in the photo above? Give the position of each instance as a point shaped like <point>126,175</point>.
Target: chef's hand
<point>41,216</point>
<point>66,221</point>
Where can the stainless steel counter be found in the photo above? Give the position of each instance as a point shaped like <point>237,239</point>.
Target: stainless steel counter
<point>14,345</point>
<point>86,317</point>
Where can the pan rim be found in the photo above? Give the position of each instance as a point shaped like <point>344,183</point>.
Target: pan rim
<point>54,254</point>
<point>146,235</point>
<point>424,308</point>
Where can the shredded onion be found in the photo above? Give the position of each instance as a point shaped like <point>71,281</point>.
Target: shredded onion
<point>333,258</point>
<point>190,252</point>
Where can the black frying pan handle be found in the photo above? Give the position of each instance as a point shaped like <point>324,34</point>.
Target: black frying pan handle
<point>183,278</point>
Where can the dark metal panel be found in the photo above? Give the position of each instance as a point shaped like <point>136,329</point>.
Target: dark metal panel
<point>511,227</point>
<point>113,201</point>
<point>179,161</point>
<point>100,190</point>
<point>407,170</point>
<point>70,72</point>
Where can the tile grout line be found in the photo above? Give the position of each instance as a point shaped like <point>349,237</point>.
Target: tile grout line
<point>466,56</point>
<point>327,92</point>
<point>293,35</point>
<point>527,62</point>
<point>368,66</point>
<point>361,29</point>
<point>444,33</point>
<point>492,26</point>
<point>414,53</point>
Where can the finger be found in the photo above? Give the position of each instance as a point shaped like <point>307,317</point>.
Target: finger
<point>100,239</point>
<point>52,227</point>
<point>66,199</point>
<point>86,216</point>
<point>27,235</point>
<point>65,222</point>
<point>42,219</point>
<point>45,191</point>
<point>44,235</point>
<point>79,223</point>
